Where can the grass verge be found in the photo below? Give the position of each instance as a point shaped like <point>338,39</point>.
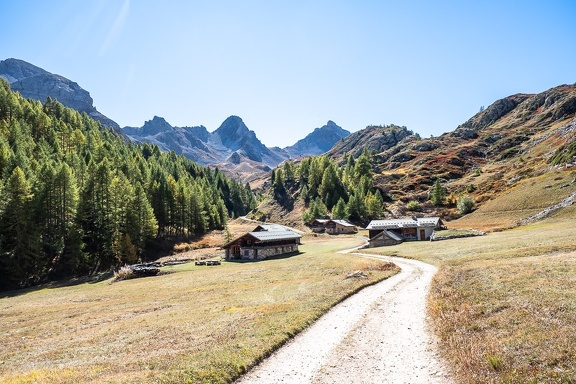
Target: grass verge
<point>198,324</point>
<point>503,304</point>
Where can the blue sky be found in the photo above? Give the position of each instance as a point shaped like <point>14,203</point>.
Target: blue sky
<point>287,67</point>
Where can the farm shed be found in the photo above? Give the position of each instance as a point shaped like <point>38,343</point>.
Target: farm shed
<point>332,227</point>
<point>393,231</point>
<point>318,225</point>
<point>335,227</point>
<point>264,241</point>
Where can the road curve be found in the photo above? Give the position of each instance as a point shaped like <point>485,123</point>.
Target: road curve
<point>376,336</point>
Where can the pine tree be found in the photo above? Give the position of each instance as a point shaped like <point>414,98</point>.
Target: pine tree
<point>438,194</point>
<point>339,211</point>
<point>363,166</point>
<point>141,223</point>
<point>20,237</point>
<point>355,209</point>
<point>374,205</point>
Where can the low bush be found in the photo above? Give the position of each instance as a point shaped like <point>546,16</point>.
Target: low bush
<point>124,273</point>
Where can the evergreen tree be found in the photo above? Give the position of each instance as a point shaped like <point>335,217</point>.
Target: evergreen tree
<point>374,205</point>
<point>339,211</point>
<point>24,263</point>
<point>438,194</point>
<point>363,166</point>
<point>331,187</point>
<point>356,209</point>
<point>142,225</point>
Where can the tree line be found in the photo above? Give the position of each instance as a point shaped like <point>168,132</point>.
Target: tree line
<point>342,192</point>
<point>77,198</point>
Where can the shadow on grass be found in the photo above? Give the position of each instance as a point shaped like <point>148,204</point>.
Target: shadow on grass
<point>92,279</point>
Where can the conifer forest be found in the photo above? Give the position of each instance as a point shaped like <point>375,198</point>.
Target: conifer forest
<point>77,198</point>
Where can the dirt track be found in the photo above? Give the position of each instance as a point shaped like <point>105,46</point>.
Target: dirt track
<point>376,336</point>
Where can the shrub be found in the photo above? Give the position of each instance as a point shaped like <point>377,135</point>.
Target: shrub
<point>465,204</point>
<point>124,273</point>
<point>413,206</point>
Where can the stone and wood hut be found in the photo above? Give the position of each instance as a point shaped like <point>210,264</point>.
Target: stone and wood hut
<point>318,225</point>
<point>264,241</point>
<point>394,231</point>
<point>335,227</point>
<point>332,226</point>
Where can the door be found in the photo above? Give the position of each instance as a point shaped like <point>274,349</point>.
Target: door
<point>422,234</point>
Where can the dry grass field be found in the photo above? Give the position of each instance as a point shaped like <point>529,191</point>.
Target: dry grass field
<point>504,304</point>
<point>196,324</point>
<point>523,199</point>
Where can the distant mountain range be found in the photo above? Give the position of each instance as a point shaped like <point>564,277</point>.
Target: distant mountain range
<point>233,147</point>
<point>232,143</point>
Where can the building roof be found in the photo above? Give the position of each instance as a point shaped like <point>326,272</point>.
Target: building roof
<point>265,233</point>
<point>390,234</point>
<point>343,222</point>
<point>409,222</point>
<point>270,227</point>
<point>274,235</point>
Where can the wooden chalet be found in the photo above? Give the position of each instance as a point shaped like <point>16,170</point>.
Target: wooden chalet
<point>332,226</point>
<point>318,225</point>
<point>264,241</point>
<point>394,231</point>
<point>335,227</point>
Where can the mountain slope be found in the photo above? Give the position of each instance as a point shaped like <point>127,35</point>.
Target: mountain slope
<point>36,83</point>
<point>522,146</point>
<point>509,141</point>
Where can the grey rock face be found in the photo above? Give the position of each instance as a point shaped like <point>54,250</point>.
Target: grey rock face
<point>320,141</point>
<point>36,83</point>
<point>375,138</point>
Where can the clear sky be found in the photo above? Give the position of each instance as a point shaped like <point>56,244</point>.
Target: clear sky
<point>287,67</point>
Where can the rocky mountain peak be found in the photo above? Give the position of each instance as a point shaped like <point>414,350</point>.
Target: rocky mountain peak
<point>156,125</point>
<point>319,141</point>
<point>234,134</point>
<point>35,83</point>
<point>14,70</point>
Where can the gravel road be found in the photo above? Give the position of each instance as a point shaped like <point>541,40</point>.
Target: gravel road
<point>379,335</point>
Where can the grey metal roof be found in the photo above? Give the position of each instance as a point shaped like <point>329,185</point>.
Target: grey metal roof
<point>272,227</point>
<point>344,223</point>
<point>274,235</point>
<point>390,234</point>
<point>410,222</point>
